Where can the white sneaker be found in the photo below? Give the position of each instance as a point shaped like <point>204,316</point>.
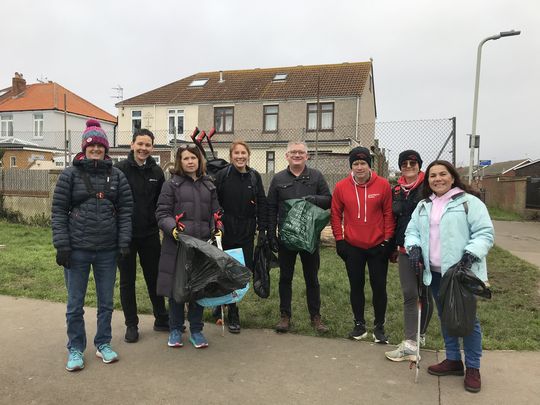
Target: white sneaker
<point>404,352</point>
<point>422,340</point>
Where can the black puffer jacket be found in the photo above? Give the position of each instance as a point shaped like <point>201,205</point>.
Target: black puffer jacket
<point>198,200</point>
<point>241,195</point>
<point>286,185</point>
<point>81,220</point>
<point>403,206</point>
<point>145,182</point>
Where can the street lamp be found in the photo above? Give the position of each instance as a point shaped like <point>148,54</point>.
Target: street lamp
<point>473,138</point>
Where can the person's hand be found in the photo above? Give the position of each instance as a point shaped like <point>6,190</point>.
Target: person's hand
<point>387,248</point>
<point>467,260</point>
<point>63,258</point>
<point>123,253</point>
<point>179,224</point>
<point>273,242</point>
<point>394,256</point>
<point>416,260</point>
<point>176,233</point>
<point>342,249</point>
<point>218,223</point>
<point>261,238</point>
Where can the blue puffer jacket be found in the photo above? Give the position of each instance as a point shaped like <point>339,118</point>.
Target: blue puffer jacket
<point>465,226</point>
<point>79,219</point>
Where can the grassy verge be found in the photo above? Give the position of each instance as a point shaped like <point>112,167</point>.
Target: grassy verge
<point>498,214</point>
<point>510,320</point>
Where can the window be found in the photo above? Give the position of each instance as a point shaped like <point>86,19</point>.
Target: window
<point>136,120</point>
<point>176,124</point>
<point>325,117</point>
<point>270,162</point>
<point>223,119</point>
<point>6,125</point>
<point>198,82</point>
<point>270,118</point>
<point>38,125</point>
<point>12,161</point>
<point>280,77</point>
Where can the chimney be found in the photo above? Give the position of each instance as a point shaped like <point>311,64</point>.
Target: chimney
<point>18,84</point>
<point>221,76</point>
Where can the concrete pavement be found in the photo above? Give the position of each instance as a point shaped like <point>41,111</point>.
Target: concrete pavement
<point>522,239</point>
<point>255,367</point>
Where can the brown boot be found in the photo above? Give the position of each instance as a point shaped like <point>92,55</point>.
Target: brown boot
<point>318,325</point>
<point>447,367</point>
<point>284,324</point>
<point>472,381</point>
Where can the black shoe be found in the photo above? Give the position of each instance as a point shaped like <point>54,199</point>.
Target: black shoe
<point>161,326</point>
<point>132,334</point>
<point>379,336</point>
<point>359,332</point>
<point>234,320</point>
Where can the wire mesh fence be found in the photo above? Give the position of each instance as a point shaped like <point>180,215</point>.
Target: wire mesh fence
<point>30,166</point>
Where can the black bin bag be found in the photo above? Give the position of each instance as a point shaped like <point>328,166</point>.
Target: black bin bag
<point>204,271</point>
<point>264,259</point>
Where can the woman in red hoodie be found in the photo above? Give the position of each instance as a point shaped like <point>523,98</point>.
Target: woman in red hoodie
<point>363,225</point>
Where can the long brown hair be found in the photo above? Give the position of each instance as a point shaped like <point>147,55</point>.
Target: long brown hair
<point>426,189</point>
<point>239,142</point>
<point>201,171</point>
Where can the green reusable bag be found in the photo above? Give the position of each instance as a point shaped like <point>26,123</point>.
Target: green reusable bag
<point>303,225</point>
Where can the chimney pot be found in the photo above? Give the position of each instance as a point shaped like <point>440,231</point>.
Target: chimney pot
<point>18,84</point>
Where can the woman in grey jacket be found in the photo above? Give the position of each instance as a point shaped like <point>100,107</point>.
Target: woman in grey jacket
<point>191,194</point>
<point>450,226</point>
<point>91,223</point>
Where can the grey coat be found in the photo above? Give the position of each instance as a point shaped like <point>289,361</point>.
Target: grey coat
<point>198,200</point>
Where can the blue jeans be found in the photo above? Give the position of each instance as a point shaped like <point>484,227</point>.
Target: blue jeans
<point>176,316</point>
<point>472,344</point>
<point>104,266</point>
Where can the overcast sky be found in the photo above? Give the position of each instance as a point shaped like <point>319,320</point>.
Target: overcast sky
<point>424,53</point>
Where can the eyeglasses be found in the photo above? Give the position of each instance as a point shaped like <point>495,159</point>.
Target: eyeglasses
<point>297,152</point>
<point>409,163</point>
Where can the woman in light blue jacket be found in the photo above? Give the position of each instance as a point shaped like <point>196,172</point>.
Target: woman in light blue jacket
<point>448,226</point>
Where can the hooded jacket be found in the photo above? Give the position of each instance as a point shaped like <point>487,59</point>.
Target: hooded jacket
<point>362,213</point>
<point>83,220</point>
<point>145,182</point>
<point>403,205</point>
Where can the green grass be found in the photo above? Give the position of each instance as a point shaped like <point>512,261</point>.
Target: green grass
<point>499,214</point>
<point>510,320</point>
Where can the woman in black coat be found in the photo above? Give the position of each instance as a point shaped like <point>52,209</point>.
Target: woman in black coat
<point>191,193</point>
<point>241,195</point>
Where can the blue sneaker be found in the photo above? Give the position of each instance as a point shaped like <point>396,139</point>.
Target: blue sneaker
<point>198,340</point>
<point>175,338</point>
<point>75,360</point>
<point>106,353</point>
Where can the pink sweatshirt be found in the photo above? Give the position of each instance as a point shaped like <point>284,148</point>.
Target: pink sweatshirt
<point>437,209</point>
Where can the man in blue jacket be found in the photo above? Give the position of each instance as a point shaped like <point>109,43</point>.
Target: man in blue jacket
<point>145,178</point>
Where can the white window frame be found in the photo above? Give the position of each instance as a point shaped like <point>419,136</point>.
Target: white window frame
<point>136,117</point>
<point>176,114</point>
<point>226,117</point>
<point>269,116</point>
<point>6,125</point>
<point>38,126</point>
<point>12,161</point>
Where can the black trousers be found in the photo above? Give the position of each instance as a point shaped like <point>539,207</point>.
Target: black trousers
<point>377,263</point>
<point>148,249</point>
<point>310,267</point>
<point>247,249</point>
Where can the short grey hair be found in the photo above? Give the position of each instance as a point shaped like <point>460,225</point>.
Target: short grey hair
<point>297,142</point>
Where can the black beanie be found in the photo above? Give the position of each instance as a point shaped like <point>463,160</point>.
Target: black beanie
<point>359,153</point>
<point>410,155</point>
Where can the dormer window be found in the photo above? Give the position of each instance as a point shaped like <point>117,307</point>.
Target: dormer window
<point>280,77</point>
<point>198,83</point>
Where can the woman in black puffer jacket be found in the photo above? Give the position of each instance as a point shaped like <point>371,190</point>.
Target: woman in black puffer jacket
<point>91,224</point>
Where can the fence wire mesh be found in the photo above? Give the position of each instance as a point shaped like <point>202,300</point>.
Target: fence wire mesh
<point>29,173</point>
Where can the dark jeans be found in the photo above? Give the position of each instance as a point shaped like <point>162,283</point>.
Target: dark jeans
<point>247,249</point>
<point>377,262</point>
<point>310,267</point>
<point>177,316</point>
<point>472,344</point>
<point>148,249</point>
<point>103,264</point>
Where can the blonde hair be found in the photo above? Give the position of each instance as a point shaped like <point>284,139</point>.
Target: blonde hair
<point>241,143</point>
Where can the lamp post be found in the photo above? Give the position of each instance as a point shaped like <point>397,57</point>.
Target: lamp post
<point>472,142</point>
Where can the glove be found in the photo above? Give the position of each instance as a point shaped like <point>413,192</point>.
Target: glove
<point>311,199</point>
<point>176,233</point>
<point>416,261</point>
<point>394,256</point>
<point>261,238</point>
<point>123,253</point>
<point>387,248</point>
<point>342,249</point>
<point>273,242</point>
<point>179,224</point>
<point>63,258</point>
<point>218,224</point>
<point>467,261</point>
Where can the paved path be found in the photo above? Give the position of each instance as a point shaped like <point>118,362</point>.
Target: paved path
<point>255,367</point>
<point>522,239</point>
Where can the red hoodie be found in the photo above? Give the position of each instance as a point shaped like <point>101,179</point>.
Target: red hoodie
<point>365,211</point>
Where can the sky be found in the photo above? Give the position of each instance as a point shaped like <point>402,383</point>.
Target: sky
<point>424,53</point>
